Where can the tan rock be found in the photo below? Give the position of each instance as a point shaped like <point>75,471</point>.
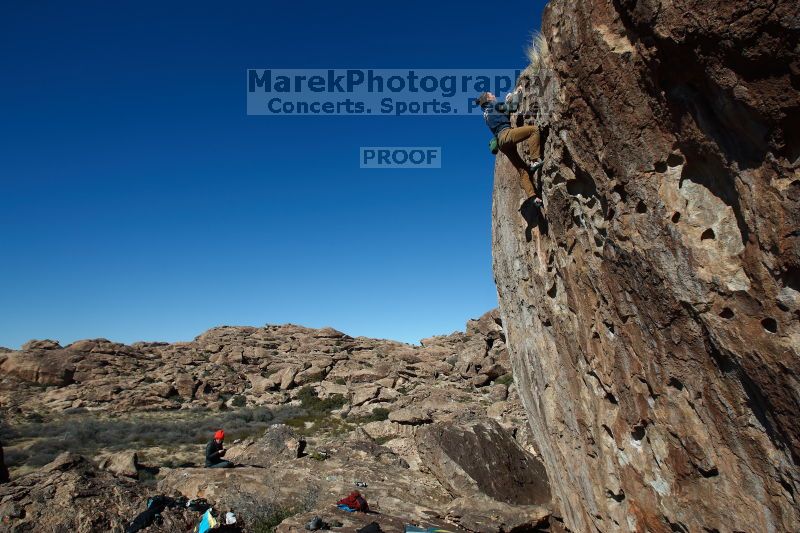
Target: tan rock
<point>498,393</point>
<point>45,344</point>
<point>287,377</point>
<point>122,464</point>
<point>186,386</point>
<point>328,389</point>
<point>364,394</point>
<point>387,395</point>
<point>413,416</point>
<point>46,367</point>
<point>657,366</point>
<point>260,384</point>
<point>481,380</point>
<point>162,390</point>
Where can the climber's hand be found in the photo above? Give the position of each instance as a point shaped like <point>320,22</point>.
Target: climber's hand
<point>538,202</point>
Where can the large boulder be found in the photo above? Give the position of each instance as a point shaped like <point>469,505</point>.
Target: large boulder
<point>480,457</point>
<point>43,344</point>
<point>45,367</point>
<point>651,308</point>
<point>186,386</point>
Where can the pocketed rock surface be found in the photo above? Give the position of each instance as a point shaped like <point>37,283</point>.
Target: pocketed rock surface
<point>652,308</point>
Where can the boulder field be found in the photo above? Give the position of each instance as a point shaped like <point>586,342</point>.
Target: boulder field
<point>436,432</point>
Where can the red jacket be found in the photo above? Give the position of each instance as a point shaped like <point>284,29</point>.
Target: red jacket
<point>355,501</point>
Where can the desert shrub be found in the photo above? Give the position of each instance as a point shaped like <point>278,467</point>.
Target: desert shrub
<point>312,403</point>
<point>317,456</point>
<point>148,477</point>
<point>16,457</point>
<point>505,379</point>
<point>340,381</point>
<point>379,414</point>
<point>263,515</point>
<point>268,522</point>
<point>238,401</point>
<point>309,498</point>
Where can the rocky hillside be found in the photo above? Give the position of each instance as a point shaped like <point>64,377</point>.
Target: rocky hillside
<point>652,309</point>
<point>437,432</point>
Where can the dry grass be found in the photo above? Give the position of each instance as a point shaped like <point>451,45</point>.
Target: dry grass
<point>538,53</point>
<point>40,440</point>
<point>265,514</point>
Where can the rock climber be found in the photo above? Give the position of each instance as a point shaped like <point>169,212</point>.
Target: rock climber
<point>215,449</point>
<point>496,114</point>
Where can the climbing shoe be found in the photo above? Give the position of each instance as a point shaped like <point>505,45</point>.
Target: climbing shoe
<point>525,202</point>
<point>315,524</point>
<point>536,165</point>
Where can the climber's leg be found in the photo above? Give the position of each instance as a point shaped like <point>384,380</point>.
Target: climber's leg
<point>509,138</point>
<point>523,132</point>
<point>509,147</point>
<point>534,145</point>
<point>531,133</point>
<point>527,184</point>
<point>507,142</point>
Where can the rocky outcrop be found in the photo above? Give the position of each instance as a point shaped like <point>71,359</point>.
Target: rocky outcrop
<point>498,487</point>
<point>651,309</point>
<point>226,366</point>
<point>70,494</point>
<point>41,366</point>
<point>481,457</point>
<point>494,482</point>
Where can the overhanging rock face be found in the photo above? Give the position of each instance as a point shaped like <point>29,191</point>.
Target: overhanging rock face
<point>653,313</point>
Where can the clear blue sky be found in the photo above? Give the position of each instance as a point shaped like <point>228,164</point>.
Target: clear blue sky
<point>138,201</point>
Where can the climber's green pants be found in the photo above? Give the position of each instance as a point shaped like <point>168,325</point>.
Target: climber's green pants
<point>507,143</point>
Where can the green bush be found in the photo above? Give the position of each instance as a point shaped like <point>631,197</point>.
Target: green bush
<point>265,515</point>
<point>267,523</point>
<point>238,401</point>
<point>379,414</point>
<point>312,403</point>
<point>505,379</point>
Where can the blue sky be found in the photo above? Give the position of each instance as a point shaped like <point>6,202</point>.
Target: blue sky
<point>138,201</point>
